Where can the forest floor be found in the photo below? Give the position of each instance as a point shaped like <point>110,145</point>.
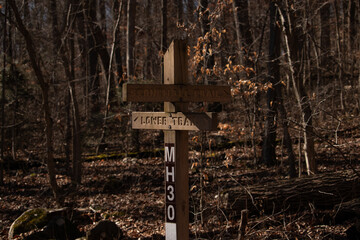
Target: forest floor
<point>130,192</point>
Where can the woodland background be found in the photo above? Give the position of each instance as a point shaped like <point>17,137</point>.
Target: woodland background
<point>293,67</point>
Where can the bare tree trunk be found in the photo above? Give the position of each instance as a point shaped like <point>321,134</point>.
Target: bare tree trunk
<point>102,9</point>
<point>100,147</point>
<point>237,28</point>
<point>287,138</point>
<point>34,60</point>
<point>14,75</point>
<point>27,14</point>
<point>68,128</point>
<point>130,59</point>
<point>340,53</point>
<point>3,98</point>
<point>119,71</point>
<point>83,46</point>
<point>243,30</point>
<point>147,68</point>
<point>301,97</point>
<point>94,88</point>
<point>245,42</point>
<point>130,37</point>
<point>69,69</point>
<point>269,144</point>
<point>77,150</point>
<point>180,11</point>
<point>354,25</point>
<point>358,47</point>
<point>325,42</point>
<point>190,11</point>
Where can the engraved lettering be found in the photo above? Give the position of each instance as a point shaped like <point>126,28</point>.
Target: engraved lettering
<point>187,122</point>
<point>164,120</point>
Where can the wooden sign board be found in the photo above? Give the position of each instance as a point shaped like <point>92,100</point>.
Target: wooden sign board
<point>175,93</point>
<point>174,121</point>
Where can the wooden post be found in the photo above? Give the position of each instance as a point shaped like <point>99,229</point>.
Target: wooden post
<point>176,121</point>
<point>176,150</point>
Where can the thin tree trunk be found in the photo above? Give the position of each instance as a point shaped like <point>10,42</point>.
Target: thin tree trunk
<point>147,48</point>
<point>68,135</point>
<point>14,76</point>
<point>27,14</point>
<point>69,67</point>
<point>34,60</point>
<point>287,139</point>
<point>325,42</point>
<point>180,11</point>
<point>302,100</point>
<point>237,28</point>
<point>130,59</point>
<point>340,55</point>
<point>190,11</point>
<point>354,25</point>
<point>119,71</point>
<point>346,45</point>
<point>82,33</point>
<point>77,150</point>
<point>130,37</point>
<point>101,145</point>
<point>94,88</point>
<point>102,9</point>
<point>244,42</point>
<point>243,30</point>
<point>3,98</point>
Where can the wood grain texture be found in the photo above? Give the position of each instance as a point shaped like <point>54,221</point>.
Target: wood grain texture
<point>174,121</point>
<point>175,72</point>
<point>175,93</point>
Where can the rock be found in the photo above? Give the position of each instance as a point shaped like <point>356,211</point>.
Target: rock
<point>104,230</point>
<point>51,224</point>
<point>59,228</point>
<point>29,220</point>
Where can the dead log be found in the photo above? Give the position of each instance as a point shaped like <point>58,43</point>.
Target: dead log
<point>323,191</point>
<point>347,211</point>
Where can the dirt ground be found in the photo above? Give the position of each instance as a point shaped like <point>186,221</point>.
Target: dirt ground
<point>130,192</point>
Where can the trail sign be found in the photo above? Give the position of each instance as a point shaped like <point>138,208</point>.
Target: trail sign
<point>175,93</point>
<point>176,121</point>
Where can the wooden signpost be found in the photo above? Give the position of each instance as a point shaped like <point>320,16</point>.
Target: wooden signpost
<point>176,121</point>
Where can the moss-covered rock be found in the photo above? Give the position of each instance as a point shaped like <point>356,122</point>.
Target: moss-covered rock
<point>29,220</point>
<point>105,230</point>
